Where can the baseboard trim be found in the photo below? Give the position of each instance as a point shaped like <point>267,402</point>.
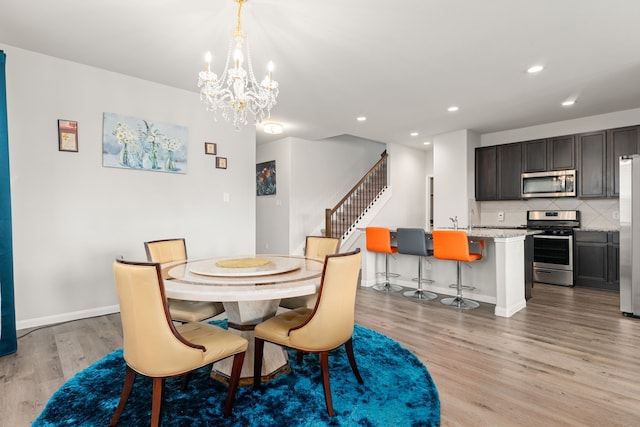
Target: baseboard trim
<point>66,317</point>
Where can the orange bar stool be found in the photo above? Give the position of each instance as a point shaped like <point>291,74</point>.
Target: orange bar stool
<point>453,245</point>
<point>379,240</point>
<point>413,241</point>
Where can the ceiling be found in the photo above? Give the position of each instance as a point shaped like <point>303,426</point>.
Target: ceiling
<point>400,63</point>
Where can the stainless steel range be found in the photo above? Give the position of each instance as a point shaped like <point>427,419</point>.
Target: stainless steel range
<point>553,248</point>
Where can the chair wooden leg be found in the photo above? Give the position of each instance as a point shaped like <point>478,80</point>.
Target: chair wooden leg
<point>299,356</point>
<point>352,360</point>
<point>156,401</point>
<point>129,378</point>
<point>185,381</point>
<point>324,368</point>
<point>257,363</point>
<point>238,359</point>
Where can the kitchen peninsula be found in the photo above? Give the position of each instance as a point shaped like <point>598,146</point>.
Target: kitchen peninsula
<point>499,278</point>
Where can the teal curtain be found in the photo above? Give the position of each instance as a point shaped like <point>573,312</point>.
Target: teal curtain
<point>8,340</point>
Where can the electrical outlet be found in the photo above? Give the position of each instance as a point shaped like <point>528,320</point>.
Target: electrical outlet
<point>616,215</point>
<point>500,216</point>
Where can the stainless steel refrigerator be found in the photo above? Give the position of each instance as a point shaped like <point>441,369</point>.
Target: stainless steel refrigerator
<point>630,235</point>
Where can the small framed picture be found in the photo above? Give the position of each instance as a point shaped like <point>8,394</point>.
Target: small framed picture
<point>210,148</point>
<point>221,162</point>
<point>67,135</point>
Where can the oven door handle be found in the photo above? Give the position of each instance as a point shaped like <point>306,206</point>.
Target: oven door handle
<point>539,236</point>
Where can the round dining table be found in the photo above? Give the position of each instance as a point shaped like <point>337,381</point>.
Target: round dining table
<point>250,288</point>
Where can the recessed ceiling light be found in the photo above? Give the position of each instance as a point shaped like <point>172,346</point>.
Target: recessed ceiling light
<point>426,143</point>
<point>535,69</point>
<point>453,108</point>
<point>414,134</point>
<point>362,118</point>
<point>568,103</point>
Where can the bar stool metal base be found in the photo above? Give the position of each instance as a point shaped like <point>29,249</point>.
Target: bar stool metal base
<point>467,287</point>
<point>459,302</point>
<point>421,295</point>
<point>387,287</point>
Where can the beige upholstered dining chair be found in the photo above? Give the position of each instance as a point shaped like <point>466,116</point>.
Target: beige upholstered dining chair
<point>169,250</point>
<point>155,348</point>
<point>315,247</point>
<point>319,330</point>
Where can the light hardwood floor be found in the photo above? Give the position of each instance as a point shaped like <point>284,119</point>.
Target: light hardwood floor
<point>569,359</point>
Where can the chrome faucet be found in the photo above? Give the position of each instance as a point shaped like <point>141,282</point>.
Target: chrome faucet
<point>455,222</point>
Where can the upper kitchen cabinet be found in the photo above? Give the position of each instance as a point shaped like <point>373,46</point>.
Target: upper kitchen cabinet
<point>622,141</point>
<point>509,161</point>
<point>592,165</point>
<point>534,156</point>
<point>550,154</point>
<point>486,173</point>
<point>498,170</point>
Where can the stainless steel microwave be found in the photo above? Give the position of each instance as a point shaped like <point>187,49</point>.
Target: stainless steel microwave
<point>549,184</point>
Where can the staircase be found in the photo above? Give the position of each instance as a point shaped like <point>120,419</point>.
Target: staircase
<point>342,219</point>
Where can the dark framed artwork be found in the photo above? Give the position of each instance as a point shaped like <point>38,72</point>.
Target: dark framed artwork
<point>221,162</point>
<point>266,178</point>
<point>210,148</point>
<point>67,135</point>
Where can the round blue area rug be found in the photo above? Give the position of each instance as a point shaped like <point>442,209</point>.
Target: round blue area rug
<point>397,391</point>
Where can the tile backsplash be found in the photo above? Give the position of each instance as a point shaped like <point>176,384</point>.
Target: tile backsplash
<point>597,214</point>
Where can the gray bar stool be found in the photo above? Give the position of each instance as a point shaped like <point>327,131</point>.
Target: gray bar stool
<point>413,241</point>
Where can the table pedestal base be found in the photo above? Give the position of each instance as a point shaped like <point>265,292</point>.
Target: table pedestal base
<point>242,317</point>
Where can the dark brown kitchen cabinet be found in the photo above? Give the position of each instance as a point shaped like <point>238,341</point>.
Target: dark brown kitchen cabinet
<point>534,156</point>
<point>498,170</point>
<point>595,263</point>
<point>486,173</point>
<point>509,161</point>
<point>561,153</point>
<point>622,141</point>
<point>591,164</point>
<point>557,153</point>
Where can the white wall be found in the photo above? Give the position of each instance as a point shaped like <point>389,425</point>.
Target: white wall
<point>566,127</point>
<point>72,217</point>
<point>272,212</point>
<point>317,175</point>
<point>407,171</point>
<point>453,171</point>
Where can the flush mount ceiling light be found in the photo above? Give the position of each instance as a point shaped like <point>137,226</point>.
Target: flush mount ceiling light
<point>272,128</point>
<point>535,69</point>
<point>237,92</point>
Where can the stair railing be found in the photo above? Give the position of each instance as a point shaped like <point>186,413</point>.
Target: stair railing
<point>347,211</point>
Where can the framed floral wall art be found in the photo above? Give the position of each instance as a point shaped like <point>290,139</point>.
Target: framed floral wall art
<point>266,178</point>
<point>133,143</point>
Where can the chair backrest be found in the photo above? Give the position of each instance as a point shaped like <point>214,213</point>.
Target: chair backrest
<point>164,251</point>
<point>378,239</point>
<point>331,322</point>
<point>152,346</point>
<point>414,241</point>
<point>321,246</point>
<point>452,245</point>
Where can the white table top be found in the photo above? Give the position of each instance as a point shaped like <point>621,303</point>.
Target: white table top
<point>286,276</point>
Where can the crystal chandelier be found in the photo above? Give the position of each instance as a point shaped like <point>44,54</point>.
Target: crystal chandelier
<point>237,92</point>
